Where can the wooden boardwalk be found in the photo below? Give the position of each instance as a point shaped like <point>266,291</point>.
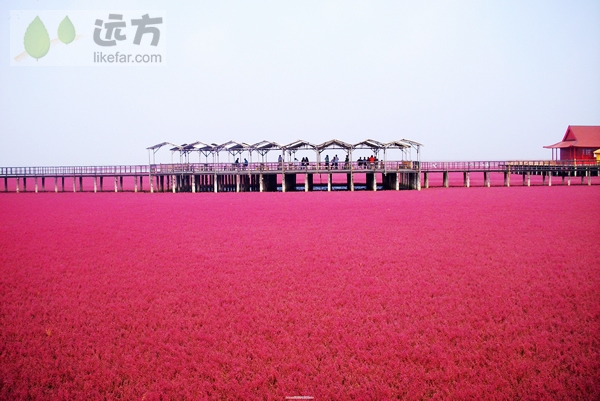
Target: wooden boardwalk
<point>294,176</point>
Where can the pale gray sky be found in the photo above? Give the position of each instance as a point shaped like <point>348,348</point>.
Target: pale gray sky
<point>471,80</point>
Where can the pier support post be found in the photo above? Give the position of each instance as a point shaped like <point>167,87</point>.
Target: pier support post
<point>81,184</point>
<point>135,184</point>
<point>467,179</point>
<point>486,178</point>
<point>589,177</point>
<point>261,183</point>
<point>35,184</point>
<point>116,184</point>
<point>63,184</point>
<point>95,184</point>
<point>446,179</point>
<point>43,184</point>
<point>237,182</point>
<point>372,181</point>
<point>283,189</point>
<point>18,183</point>
<point>25,183</point>
<point>121,183</point>
<point>174,183</point>
<point>307,184</point>
<point>328,182</point>
<point>193,177</point>
<point>74,184</point>
<point>55,184</point>
<point>101,184</point>
<point>215,184</point>
<point>528,179</point>
<point>569,180</point>
<point>549,178</point>
<point>426,176</point>
<point>506,179</point>
<point>5,184</point>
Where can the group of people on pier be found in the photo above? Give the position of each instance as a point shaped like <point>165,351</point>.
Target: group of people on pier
<point>367,162</point>
<point>333,163</point>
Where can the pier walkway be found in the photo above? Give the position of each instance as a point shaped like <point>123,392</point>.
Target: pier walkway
<point>295,176</point>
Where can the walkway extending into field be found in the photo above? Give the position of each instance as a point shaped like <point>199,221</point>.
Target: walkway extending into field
<point>296,176</point>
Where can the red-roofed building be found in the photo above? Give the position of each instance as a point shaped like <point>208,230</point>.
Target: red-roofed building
<point>579,143</point>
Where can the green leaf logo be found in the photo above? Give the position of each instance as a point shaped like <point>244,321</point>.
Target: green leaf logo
<point>66,31</point>
<point>37,40</point>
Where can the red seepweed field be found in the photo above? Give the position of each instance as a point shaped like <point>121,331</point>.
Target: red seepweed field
<point>480,293</point>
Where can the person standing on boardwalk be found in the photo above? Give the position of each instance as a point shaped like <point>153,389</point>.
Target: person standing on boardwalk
<point>327,161</point>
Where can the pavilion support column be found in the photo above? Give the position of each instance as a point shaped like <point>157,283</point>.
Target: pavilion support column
<point>446,179</point>
<point>426,177</point>
<point>467,179</point>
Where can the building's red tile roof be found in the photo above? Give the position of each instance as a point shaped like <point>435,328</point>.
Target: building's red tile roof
<point>579,136</point>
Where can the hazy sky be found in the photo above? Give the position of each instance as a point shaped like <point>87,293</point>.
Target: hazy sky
<point>471,80</point>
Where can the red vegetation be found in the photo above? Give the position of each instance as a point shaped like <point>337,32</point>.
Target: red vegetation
<point>452,293</point>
